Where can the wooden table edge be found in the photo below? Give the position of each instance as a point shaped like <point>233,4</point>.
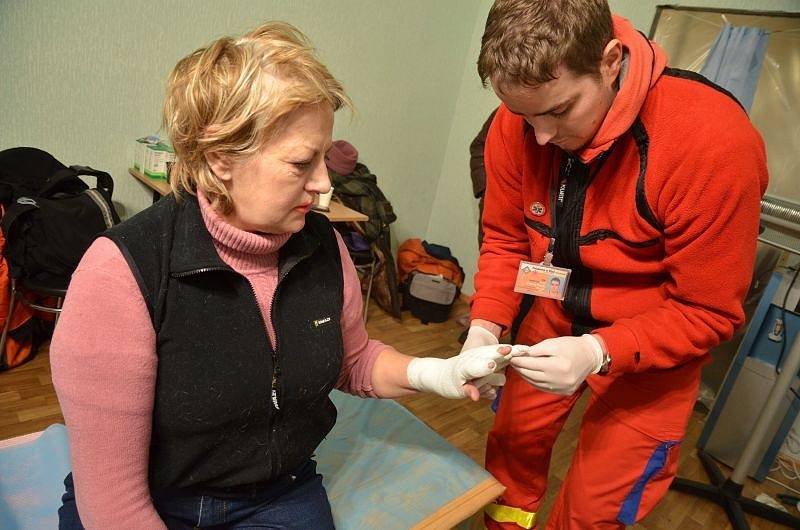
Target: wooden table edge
<point>462,507</point>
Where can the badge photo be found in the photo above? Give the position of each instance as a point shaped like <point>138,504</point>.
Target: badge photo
<point>540,280</point>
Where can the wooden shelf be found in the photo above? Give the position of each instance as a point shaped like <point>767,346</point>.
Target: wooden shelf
<point>157,185</point>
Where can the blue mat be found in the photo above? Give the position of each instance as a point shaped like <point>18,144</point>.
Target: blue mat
<point>32,481</point>
<point>383,468</point>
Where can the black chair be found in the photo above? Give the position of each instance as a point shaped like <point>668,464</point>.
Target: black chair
<point>52,289</point>
<point>366,263</point>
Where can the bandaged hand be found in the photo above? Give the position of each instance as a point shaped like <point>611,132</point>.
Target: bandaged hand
<point>559,365</point>
<point>450,377</point>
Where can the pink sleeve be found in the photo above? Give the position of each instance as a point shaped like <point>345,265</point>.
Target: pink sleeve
<point>104,371</point>
<point>360,351</point>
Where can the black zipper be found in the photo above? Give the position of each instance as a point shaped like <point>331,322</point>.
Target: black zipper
<point>200,271</point>
<point>276,365</point>
<point>540,227</point>
<point>599,235</point>
<point>567,235</point>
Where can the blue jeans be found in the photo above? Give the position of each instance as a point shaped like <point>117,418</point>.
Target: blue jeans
<point>298,501</point>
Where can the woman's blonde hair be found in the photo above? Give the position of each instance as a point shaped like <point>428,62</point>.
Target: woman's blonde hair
<point>232,96</point>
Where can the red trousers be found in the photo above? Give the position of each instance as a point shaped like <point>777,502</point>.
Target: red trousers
<point>627,452</point>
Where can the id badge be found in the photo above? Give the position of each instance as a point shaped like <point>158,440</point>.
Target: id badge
<point>542,280</point>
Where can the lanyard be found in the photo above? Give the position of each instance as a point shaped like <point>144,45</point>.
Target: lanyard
<point>556,202</point>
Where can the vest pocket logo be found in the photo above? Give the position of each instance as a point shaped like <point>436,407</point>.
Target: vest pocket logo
<point>321,322</point>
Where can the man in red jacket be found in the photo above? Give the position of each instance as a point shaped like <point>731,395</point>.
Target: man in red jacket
<point>638,185</point>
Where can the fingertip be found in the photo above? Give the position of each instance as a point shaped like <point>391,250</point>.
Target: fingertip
<point>470,391</point>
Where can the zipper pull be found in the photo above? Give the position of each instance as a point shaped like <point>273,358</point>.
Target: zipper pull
<point>275,399</point>
<point>548,256</point>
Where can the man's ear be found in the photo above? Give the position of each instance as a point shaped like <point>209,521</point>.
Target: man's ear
<point>611,62</point>
<point>220,164</point>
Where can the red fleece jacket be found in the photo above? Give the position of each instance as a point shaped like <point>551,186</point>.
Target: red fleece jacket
<point>667,276</point>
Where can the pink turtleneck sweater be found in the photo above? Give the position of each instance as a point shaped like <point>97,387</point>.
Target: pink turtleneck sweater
<point>104,361</point>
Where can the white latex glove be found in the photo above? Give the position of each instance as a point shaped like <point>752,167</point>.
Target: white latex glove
<point>487,386</point>
<point>559,365</point>
<point>478,336</point>
<point>448,377</point>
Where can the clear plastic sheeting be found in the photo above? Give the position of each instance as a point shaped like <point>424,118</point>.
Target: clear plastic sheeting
<point>687,34</point>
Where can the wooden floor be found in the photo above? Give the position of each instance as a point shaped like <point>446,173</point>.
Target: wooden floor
<point>28,404</point>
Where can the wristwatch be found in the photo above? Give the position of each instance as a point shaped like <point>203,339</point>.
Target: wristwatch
<point>605,366</point>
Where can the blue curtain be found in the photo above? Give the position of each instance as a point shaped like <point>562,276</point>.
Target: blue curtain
<point>735,61</point>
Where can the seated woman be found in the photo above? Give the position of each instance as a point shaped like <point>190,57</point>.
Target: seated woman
<point>200,339</point>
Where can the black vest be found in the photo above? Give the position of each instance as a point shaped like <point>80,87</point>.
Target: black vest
<point>215,423</point>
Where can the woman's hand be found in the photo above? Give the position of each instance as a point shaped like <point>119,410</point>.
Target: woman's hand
<point>455,377</point>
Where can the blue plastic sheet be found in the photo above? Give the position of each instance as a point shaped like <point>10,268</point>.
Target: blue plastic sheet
<point>382,467</point>
<point>735,61</point>
<point>32,481</point>
<point>385,469</point>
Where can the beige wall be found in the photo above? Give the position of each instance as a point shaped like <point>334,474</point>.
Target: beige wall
<point>83,79</point>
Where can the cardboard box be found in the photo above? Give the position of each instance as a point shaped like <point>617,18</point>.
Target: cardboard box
<point>158,160</point>
<point>140,151</point>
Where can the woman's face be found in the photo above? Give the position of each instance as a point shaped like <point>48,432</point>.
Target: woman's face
<point>273,189</point>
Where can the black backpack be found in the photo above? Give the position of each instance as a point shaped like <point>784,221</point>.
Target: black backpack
<point>51,216</point>
<point>359,190</point>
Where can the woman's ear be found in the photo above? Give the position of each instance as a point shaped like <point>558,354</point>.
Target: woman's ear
<point>220,164</point>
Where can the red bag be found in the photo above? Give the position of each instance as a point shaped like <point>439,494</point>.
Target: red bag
<point>26,331</point>
<point>412,257</point>
<point>430,278</point>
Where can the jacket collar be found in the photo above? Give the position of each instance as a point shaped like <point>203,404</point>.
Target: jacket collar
<point>646,62</point>
<point>193,247</point>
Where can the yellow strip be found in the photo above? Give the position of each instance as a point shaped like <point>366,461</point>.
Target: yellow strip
<point>509,514</point>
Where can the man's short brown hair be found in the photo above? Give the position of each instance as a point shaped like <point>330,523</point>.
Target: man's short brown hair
<point>526,41</point>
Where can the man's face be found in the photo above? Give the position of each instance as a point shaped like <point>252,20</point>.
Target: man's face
<point>567,111</point>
